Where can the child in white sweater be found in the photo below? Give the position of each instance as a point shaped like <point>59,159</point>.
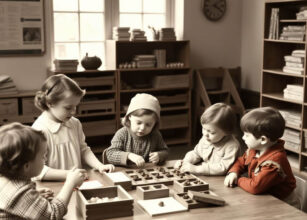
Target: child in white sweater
<point>217,149</point>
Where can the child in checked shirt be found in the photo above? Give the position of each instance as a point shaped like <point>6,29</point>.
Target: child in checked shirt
<point>22,156</point>
<point>139,140</point>
<point>217,149</point>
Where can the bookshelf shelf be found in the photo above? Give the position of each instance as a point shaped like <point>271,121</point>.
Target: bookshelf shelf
<point>275,81</point>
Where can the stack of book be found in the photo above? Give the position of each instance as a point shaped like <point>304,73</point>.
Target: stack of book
<point>145,61</point>
<point>7,85</point>
<point>167,34</point>
<point>66,64</point>
<point>274,24</point>
<point>293,32</point>
<point>294,91</point>
<point>305,140</point>
<point>160,57</point>
<point>138,35</point>
<point>121,33</point>
<point>292,139</point>
<point>292,118</point>
<point>295,62</point>
<point>302,14</point>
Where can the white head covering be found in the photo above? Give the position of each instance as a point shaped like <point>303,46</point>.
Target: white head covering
<point>143,101</point>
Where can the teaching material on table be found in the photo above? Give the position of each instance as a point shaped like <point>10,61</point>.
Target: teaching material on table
<point>195,184</point>
<point>161,206</point>
<point>152,191</point>
<point>210,198</point>
<point>91,184</point>
<point>118,178</point>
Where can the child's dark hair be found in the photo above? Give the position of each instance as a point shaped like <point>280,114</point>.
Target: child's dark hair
<point>55,89</point>
<point>140,112</point>
<point>265,121</point>
<point>220,115</point>
<point>19,144</point>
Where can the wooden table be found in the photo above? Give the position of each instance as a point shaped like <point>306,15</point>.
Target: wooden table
<point>239,204</point>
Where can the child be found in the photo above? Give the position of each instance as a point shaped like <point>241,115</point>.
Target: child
<point>66,146</point>
<point>265,160</point>
<point>139,139</point>
<point>22,156</point>
<point>217,149</point>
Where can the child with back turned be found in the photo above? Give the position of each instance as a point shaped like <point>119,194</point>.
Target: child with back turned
<point>139,140</point>
<point>265,161</point>
<point>22,156</point>
<point>66,146</point>
<point>217,149</point>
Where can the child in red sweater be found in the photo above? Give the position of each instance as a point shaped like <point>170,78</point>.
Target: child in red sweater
<point>265,161</point>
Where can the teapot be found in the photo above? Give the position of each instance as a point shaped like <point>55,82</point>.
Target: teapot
<point>91,63</point>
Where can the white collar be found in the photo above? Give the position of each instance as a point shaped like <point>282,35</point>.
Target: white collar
<point>52,125</point>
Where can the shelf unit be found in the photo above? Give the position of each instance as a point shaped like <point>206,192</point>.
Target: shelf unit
<point>274,80</point>
<point>172,86</point>
<point>97,109</point>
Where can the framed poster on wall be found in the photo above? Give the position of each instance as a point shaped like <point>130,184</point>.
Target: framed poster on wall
<point>22,27</point>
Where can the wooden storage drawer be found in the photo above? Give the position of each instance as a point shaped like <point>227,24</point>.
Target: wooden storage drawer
<point>8,107</point>
<point>28,107</point>
<point>172,99</point>
<point>171,81</point>
<point>174,121</point>
<point>95,81</point>
<point>97,128</point>
<point>86,107</point>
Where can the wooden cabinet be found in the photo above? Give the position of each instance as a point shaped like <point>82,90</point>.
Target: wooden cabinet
<point>281,89</point>
<point>171,84</point>
<point>97,109</point>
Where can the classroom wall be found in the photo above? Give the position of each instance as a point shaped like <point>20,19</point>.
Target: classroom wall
<point>231,42</point>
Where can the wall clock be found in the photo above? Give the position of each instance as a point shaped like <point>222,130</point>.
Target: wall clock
<point>214,10</point>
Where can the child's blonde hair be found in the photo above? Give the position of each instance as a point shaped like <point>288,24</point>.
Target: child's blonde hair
<point>220,115</point>
<point>55,89</point>
<point>19,144</point>
<point>265,121</point>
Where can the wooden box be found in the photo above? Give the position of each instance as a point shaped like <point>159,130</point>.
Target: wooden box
<point>174,121</point>
<point>8,107</point>
<point>121,207</point>
<point>171,81</point>
<point>189,202</point>
<point>152,191</point>
<point>118,178</point>
<point>28,107</point>
<point>86,107</point>
<point>195,184</point>
<point>97,128</point>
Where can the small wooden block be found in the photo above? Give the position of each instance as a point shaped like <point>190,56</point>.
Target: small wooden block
<point>187,201</point>
<point>210,198</point>
<point>196,184</point>
<point>152,191</point>
<point>118,178</point>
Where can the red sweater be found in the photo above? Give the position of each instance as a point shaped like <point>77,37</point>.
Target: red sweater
<point>270,173</point>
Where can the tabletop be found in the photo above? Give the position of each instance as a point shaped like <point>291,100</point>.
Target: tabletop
<point>239,204</point>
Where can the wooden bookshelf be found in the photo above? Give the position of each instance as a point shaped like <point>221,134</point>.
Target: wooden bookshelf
<point>274,80</point>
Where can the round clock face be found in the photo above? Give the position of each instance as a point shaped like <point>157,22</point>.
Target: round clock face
<point>214,9</point>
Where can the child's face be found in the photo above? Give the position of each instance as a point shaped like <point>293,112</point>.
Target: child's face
<point>142,125</point>
<point>35,166</point>
<point>251,141</point>
<point>64,109</point>
<point>212,133</point>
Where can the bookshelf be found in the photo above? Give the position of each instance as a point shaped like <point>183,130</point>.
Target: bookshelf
<point>284,89</point>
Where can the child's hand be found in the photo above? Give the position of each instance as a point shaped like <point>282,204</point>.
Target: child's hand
<point>106,167</point>
<point>46,193</point>
<point>154,157</point>
<point>231,179</point>
<point>137,159</point>
<point>178,164</point>
<point>76,176</point>
<point>187,167</point>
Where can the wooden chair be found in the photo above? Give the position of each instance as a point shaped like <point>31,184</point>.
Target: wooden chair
<point>301,192</point>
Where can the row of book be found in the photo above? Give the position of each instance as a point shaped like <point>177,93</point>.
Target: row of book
<point>302,14</point>
<point>293,32</point>
<point>292,138</point>
<point>121,33</point>
<point>294,63</point>
<point>7,86</point>
<point>145,61</point>
<point>294,92</point>
<point>292,118</point>
<point>274,24</point>
<point>138,35</point>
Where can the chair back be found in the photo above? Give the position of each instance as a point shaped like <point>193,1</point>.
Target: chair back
<point>301,192</point>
